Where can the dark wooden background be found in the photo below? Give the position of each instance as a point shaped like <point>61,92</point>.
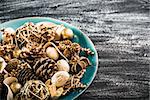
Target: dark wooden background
<point>120,30</point>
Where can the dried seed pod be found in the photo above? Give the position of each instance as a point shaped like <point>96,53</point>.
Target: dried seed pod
<point>75,48</point>
<point>8,35</point>
<point>83,62</point>
<point>60,78</point>
<point>64,44</point>
<point>74,82</point>
<point>34,89</point>
<point>52,90</point>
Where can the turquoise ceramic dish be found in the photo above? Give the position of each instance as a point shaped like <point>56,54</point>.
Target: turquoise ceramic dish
<point>79,37</point>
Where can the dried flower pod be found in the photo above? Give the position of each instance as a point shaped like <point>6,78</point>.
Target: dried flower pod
<point>83,62</point>
<point>67,53</point>
<point>75,48</point>
<point>64,44</point>
<point>74,82</point>
<point>8,35</point>
<point>55,94</point>
<point>34,89</point>
<point>52,90</point>
<point>59,92</point>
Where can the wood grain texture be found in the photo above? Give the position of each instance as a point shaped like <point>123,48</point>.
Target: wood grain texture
<point>120,30</point>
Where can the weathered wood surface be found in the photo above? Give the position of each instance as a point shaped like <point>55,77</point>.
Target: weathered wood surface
<point>120,30</point>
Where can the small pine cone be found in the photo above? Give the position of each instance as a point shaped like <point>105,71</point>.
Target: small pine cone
<point>45,68</point>
<point>26,75</point>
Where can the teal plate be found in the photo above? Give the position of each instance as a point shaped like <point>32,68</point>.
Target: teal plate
<point>79,37</point>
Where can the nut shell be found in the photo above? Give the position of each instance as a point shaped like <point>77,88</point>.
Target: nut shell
<point>52,53</point>
<point>63,65</point>
<point>67,33</point>
<point>15,87</point>
<point>60,78</point>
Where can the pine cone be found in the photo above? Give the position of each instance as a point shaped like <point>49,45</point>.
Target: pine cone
<point>45,68</point>
<point>14,72</point>
<point>26,75</point>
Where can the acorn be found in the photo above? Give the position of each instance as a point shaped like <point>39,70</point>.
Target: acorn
<point>52,53</point>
